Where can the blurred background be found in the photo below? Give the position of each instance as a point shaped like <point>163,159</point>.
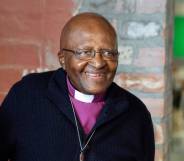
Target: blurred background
<point>177,142</point>
<point>151,63</point>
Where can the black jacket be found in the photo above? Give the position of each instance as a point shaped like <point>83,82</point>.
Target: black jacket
<point>37,124</point>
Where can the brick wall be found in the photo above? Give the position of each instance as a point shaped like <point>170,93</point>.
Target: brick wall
<point>29,40</point>
<point>29,37</point>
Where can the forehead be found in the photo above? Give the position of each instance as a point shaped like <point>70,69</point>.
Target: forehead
<point>86,28</point>
<point>90,38</point>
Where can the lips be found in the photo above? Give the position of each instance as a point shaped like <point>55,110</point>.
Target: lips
<point>95,75</point>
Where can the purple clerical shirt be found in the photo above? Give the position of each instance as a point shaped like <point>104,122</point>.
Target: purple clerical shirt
<point>87,107</point>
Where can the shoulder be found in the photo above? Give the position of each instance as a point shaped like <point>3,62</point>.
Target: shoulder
<point>133,101</point>
<point>119,92</point>
<point>36,80</point>
<point>135,108</point>
<point>30,85</point>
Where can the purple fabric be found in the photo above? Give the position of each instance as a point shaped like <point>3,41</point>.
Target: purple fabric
<point>97,98</point>
<point>87,113</point>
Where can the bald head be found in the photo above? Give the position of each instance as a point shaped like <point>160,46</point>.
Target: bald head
<point>86,35</point>
<point>86,22</point>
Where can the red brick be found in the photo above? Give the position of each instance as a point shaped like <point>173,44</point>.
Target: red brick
<point>59,5</point>
<point>150,57</point>
<point>162,131</point>
<point>159,155</point>
<point>159,130</point>
<point>19,55</point>
<point>155,106</point>
<point>50,60</point>
<point>8,78</point>
<point>22,20</point>
<point>29,19</point>
<point>54,21</point>
<point>35,23</point>
<point>53,24</point>
<point>151,6</point>
<point>20,6</point>
<point>152,83</point>
<point>21,27</point>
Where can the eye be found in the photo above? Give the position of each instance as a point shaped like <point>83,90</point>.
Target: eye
<point>84,53</point>
<point>108,53</point>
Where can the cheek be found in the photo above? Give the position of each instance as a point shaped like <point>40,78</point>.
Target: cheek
<point>112,66</point>
<point>73,65</point>
<point>75,70</point>
<point>81,65</point>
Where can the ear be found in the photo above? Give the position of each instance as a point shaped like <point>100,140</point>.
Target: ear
<point>61,59</point>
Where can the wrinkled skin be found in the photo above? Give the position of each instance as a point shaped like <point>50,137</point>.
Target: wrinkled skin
<point>88,31</point>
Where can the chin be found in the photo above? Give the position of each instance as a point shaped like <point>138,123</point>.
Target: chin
<point>90,87</point>
<point>95,90</point>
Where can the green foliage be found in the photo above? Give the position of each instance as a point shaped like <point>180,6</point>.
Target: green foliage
<point>178,37</point>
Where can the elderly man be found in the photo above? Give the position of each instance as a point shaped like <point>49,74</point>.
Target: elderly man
<point>77,113</point>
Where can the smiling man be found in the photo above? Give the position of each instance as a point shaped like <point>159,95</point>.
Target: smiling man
<point>77,113</point>
<point>89,53</point>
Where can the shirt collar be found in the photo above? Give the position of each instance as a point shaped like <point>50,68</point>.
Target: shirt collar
<point>83,97</point>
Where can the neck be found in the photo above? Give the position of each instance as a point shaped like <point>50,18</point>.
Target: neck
<point>82,96</point>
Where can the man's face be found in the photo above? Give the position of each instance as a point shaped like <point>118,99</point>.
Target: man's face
<point>90,76</point>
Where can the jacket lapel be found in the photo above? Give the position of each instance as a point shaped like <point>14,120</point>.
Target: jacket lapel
<point>58,94</point>
<point>116,102</point>
<point>111,111</point>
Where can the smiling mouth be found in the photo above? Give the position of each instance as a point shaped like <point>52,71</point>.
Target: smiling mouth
<point>95,75</point>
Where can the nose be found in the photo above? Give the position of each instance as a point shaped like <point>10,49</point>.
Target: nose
<point>98,61</point>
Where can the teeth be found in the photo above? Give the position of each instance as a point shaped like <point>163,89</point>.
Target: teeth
<point>94,74</point>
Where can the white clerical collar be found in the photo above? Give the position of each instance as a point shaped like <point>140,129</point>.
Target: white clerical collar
<point>87,98</point>
<point>83,97</point>
<point>78,95</point>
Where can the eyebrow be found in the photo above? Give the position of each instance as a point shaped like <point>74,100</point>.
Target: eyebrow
<point>91,48</point>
